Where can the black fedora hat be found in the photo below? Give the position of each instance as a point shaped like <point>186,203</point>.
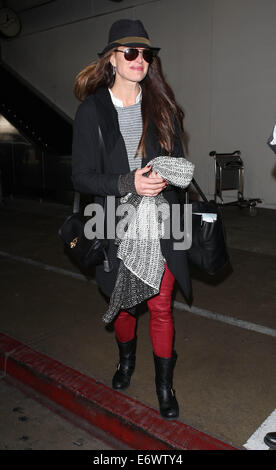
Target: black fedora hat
<point>128,33</point>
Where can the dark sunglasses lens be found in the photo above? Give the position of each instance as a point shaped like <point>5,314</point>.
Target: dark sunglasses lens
<point>148,55</point>
<point>131,54</point>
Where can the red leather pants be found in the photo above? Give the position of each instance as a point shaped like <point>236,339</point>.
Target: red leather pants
<point>161,327</point>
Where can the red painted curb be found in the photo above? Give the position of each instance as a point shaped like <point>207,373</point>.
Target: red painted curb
<point>130,421</point>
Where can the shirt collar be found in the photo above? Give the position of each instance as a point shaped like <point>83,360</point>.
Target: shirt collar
<point>119,103</point>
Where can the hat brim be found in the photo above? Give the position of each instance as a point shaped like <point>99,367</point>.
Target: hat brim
<point>128,44</point>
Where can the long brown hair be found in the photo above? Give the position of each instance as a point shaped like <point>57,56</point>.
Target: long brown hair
<point>158,100</point>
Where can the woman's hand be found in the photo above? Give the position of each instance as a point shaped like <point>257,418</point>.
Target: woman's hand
<point>151,185</point>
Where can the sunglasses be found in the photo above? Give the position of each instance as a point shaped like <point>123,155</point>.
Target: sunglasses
<point>132,54</point>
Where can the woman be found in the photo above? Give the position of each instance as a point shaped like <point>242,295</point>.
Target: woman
<point>125,94</point>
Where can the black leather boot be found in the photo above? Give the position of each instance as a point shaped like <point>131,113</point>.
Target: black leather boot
<point>270,440</point>
<point>126,366</point>
<point>163,380</point>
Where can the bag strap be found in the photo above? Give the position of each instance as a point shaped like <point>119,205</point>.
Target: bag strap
<point>199,190</point>
<point>76,207</point>
<point>107,265</point>
<point>102,147</point>
<point>76,203</point>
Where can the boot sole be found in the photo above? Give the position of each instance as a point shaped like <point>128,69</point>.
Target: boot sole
<point>121,388</point>
<point>269,444</point>
<point>170,419</point>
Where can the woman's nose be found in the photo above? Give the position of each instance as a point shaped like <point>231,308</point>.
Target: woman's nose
<point>140,57</point>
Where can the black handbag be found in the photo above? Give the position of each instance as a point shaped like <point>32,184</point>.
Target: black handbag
<point>84,252</point>
<point>208,251</point>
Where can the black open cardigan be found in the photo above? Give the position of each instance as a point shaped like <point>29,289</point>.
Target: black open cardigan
<point>89,178</point>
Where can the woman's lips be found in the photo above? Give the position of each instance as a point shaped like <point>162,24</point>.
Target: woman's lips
<point>137,68</point>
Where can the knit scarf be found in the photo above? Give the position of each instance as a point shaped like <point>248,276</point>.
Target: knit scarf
<point>142,263</point>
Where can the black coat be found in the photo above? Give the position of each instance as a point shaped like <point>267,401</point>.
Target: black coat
<point>92,176</point>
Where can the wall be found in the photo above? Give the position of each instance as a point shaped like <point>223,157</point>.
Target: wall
<point>217,55</point>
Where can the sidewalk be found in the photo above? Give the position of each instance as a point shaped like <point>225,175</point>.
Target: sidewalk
<point>53,339</point>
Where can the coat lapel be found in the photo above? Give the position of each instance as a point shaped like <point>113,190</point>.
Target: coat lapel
<point>113,139</point>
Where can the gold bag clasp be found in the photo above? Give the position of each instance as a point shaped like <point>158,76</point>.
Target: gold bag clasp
<point>74,242</point>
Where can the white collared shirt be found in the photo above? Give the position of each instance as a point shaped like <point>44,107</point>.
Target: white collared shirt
<point>119,103</point>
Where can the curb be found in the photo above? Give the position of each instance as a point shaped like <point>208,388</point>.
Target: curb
<point>124,418</point>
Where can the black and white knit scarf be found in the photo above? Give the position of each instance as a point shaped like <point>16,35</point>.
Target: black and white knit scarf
<point>142,263</point>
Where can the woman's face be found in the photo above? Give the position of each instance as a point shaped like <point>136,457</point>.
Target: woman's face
<point>134,70</point>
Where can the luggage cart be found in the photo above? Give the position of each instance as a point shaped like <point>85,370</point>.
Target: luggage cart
<point>229,175</point>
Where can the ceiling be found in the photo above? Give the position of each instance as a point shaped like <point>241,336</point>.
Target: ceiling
<point>21,5</point>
